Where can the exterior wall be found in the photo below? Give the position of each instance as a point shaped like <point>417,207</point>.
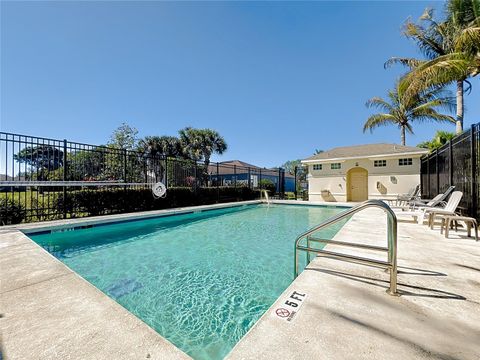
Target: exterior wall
<point>383,182</point>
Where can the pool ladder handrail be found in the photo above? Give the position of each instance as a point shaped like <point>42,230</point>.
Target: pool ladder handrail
<point>391,249</point>
<point>265,193</point>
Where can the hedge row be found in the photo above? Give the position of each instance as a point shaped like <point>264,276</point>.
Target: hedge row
<point>112,201</point>
<point>83,203</point>
<point>11,212</point>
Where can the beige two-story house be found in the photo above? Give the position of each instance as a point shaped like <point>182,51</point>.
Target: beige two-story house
<point>358,173</point>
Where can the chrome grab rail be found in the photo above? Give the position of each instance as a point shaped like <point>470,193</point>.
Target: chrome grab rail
<point>265,193</point>
<point>391,250</point>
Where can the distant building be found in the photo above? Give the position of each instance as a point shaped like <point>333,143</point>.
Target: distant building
<point>358,173</point>
<point>248,175</point>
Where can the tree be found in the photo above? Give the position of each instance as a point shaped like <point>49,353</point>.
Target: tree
<point>440,139</point>
<point>124,137</point>
<point>200,144</point>
<point>269,185</point>
<point>42,158</point>
<point>402,109</point>
<point>451,48</point>
<point>290,166</point>
<point>87,164</point>
<point>169,146</point>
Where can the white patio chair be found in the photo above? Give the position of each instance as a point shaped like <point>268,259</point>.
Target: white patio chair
<point>449,209</point>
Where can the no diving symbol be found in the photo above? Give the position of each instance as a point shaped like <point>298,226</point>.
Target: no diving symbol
<point>283,313</point>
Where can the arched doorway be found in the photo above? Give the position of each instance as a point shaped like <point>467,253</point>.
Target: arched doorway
<point>357,184</point>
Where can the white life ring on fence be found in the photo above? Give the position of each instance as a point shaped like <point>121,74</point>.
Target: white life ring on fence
<point>159,190</point>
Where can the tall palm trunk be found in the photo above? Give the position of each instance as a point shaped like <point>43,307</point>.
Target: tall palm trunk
<point>402,135</point>
<point>459,120</point>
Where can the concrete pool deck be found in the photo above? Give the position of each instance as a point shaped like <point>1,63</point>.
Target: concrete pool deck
<point>49,312</point>
<point>347,313</point>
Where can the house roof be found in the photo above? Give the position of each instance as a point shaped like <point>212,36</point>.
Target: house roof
<point>241,167</point>
<point>368,150</point>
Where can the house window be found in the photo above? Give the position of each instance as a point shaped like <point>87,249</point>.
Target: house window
<point>405,162</point>
<point>317,167</point>
<point>335,166</point>
<point>380,163</point>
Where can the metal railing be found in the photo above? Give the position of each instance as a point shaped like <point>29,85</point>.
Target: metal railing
<point>47,179</point>
<point>391,249</point>
<point>457,163</point>
<point>264,195</point>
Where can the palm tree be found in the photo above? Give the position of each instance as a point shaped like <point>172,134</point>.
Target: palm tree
<point>401,109</point>
<point>451,48</point>
<point>440,139</point>
<point>200,144</point>
<point>169,146</point>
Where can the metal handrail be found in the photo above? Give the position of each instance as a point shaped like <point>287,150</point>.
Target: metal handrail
<point>265,193</point>
<point>391,264</point>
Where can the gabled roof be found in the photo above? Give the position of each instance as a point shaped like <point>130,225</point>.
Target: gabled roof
<point>369,150</point>
<point>238,163</point>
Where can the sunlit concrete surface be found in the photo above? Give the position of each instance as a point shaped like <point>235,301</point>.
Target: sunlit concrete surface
<point>347,313</point>
<point>49,312</point>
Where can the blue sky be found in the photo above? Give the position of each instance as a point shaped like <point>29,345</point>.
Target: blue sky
<point>277,80</point>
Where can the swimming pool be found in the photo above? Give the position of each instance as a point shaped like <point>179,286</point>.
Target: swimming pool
<point>201,280</point>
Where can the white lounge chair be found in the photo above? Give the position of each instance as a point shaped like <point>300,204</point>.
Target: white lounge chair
<point>436,201</point>
<point>401,199</point>
<point>449,209</point>
<point>412,206</point>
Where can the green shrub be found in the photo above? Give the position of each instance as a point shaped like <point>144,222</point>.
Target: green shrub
<point>11,212</point>
<point>289,195</point>
<point>268,185</point>
<point>112,201</point>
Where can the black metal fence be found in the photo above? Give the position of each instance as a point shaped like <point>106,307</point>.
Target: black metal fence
<point>126,178</point>
<point>456,163</point>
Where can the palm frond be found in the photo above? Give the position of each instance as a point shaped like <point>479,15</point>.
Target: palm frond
<point>379,103</point>
<point>377,120</point>
<point>429,114</point>
<point>408,62</point>
<point>427,41</point>
<point>448,104</point>
<point>440,71</point>
<point>468,41</point>
<point>409,128</point>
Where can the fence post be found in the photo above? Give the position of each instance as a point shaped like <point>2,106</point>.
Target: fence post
<point>282,183</point>
<point>450,162</point>
<point>195,176</point>
<point>436,172</point>
<point>235,175</point>
<point>295,184</point>
<point>278,182</point>
<point>125,165</point>
<point>218,189</point>
<point>166,172</point>
<point>428,176</point>
<point>64,178</point>
<point>473,171</point>
<point>249,179</point>
<point>260,179</point>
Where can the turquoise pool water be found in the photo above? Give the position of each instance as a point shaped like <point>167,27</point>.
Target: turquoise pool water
<point>200,280</point>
